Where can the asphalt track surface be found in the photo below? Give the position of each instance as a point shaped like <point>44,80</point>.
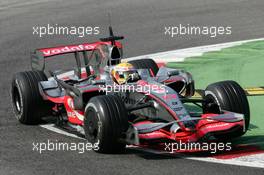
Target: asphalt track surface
<point>142,22</point>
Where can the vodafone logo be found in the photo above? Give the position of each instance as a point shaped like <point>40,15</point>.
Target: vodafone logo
<point>67,49</point>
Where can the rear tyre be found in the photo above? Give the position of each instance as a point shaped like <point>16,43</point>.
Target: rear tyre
<point>27,102</point>
<point>105,123</point>
<point>229,95</point>
<point>146,63</point>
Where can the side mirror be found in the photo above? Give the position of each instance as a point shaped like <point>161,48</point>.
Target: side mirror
<point>173,73</point>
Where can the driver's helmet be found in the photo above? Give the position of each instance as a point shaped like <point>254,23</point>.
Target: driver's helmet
<point>124,73</point>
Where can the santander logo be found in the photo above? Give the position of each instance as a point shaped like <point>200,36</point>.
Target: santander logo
<point>66,49</point>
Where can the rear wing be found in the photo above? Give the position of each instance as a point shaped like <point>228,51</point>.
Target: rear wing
<point>39,56</point>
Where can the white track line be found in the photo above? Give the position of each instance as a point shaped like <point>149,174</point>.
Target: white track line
<point>230,162</point>
<point>211,160</point>
<point>180,54</point>
<point>8,6</point>
<point>176,56</point>
<point>52,127</point>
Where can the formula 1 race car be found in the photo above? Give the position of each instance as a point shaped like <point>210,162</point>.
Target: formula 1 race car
<point>114,103</point>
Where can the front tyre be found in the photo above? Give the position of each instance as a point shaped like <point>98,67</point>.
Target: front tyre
<point>105,123</point>
<point>27,102</point>
<point>230,96</point>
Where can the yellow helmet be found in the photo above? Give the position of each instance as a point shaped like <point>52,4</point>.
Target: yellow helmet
<point>123,72</point>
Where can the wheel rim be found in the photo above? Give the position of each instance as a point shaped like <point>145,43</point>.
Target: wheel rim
<point>211,100</point>
<point>92,128</point>
<point>17,101</point>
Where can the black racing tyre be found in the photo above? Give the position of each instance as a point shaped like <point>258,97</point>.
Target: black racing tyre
<point>105,123</point>
<point>146,63</point>
<point>27,102</point>
<point>230,96</point>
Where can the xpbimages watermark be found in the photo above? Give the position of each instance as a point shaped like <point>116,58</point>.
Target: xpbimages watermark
<point>211,31</point>
<point>147,89</point>
<point>196,146</point>
<point>79,31</point>
<point>79,147</point>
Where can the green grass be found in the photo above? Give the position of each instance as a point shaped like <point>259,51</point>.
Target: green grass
<point>244,64</point>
